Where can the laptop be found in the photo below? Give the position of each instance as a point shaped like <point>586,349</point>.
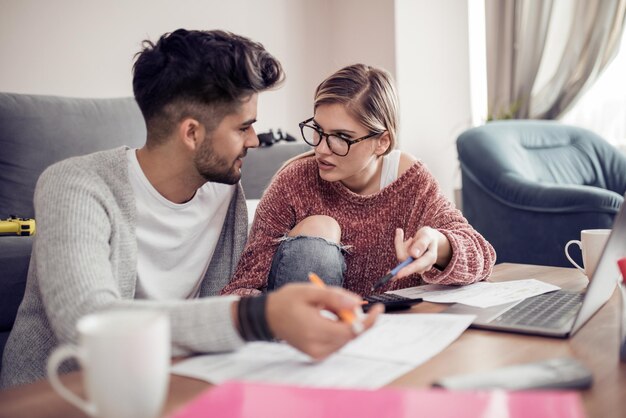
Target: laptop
<point>560,313</point>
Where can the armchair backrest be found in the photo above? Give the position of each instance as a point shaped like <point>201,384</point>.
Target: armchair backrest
<point>541,151</point>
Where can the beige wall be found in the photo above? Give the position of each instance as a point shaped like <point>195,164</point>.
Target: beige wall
<point>362,31</point>
<point>433,81</point>
<point>84,48</point>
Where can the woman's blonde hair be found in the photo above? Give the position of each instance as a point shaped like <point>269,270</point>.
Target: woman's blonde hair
<point>368,95</point>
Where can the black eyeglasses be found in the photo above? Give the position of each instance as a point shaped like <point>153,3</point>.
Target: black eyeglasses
<point>338,145</point>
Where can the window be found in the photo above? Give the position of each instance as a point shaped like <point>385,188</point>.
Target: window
<point>602,108</point>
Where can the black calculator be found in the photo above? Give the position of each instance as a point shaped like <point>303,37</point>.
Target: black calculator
<point>392,302</point>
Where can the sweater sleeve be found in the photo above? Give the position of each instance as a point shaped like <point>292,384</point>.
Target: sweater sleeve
<point>77,274</point>
<point>472,256</point>
<point>275,217</point>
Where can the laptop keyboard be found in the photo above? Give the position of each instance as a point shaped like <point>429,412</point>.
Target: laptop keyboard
<point>549,310</point>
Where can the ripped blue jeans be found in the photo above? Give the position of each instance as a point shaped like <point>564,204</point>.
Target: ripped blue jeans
<point>299,255</point>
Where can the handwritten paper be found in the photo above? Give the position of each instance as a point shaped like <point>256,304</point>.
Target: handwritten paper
<point>393,347</point>
<point>481,294</point>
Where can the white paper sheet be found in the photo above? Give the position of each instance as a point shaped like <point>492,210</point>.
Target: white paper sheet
<point>393,347</point>
<point>481,294</point>
<point>288,366</point>
<point>408,338</point>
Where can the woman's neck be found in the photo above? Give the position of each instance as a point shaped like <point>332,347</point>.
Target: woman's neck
<point>366,181</point>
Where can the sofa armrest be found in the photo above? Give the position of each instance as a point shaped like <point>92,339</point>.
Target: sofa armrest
<point>14,259</point>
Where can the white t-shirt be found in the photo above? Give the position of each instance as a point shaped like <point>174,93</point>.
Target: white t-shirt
<point>175,242</point>
<point>391,163</point>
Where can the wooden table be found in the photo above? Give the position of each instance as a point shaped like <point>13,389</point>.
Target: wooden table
<point>595,345</point>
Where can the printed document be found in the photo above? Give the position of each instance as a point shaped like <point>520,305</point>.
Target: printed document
<point>481,294</point>
<point>395,345</point>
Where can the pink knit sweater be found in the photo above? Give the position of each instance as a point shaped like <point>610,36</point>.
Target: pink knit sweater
<point>368,226</point>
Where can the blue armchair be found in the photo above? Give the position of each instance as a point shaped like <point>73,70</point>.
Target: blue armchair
<point>531,186</point>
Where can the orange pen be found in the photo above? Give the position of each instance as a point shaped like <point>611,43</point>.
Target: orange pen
<point>353,318</point>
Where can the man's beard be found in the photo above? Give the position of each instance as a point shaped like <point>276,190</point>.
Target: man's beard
<point>213,168</point>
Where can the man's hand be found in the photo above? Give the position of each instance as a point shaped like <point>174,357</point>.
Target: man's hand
<point>293,315</point>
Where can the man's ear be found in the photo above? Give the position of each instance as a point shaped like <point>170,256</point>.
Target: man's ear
<point>190,133</point>
<point>384,142</point>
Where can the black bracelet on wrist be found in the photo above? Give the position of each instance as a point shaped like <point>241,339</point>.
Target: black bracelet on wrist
<point>252,319</point>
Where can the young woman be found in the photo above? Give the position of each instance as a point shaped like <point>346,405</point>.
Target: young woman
<point>343,211</point>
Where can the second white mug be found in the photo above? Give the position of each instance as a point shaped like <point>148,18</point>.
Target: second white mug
<point>591,244</point>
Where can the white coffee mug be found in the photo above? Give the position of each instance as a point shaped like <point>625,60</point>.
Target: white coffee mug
<point>125,357</point>
<point>592,242</point>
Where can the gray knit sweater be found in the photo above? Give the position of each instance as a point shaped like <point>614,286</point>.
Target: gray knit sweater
<point>85,260</point>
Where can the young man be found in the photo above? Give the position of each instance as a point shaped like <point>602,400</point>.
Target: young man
<point>163,227</point>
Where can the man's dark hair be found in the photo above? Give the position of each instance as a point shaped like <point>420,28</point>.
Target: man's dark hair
<point>199,74</point>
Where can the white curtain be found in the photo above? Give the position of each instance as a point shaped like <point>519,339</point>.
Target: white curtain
<point>517,31</point>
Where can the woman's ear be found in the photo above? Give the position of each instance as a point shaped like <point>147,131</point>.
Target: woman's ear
<point>384,142</point>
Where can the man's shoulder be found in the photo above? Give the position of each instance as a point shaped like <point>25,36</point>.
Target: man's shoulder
<point>100,169</point>
<point>86,164</point>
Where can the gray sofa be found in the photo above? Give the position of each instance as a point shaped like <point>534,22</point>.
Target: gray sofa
<point>37,131</point>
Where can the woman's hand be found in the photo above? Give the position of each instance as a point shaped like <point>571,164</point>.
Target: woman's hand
<point>428,247</point>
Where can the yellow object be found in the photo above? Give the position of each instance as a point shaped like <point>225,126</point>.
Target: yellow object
<point>17,226</point>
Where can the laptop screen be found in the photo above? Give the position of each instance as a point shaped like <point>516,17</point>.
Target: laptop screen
<point>607,273</point>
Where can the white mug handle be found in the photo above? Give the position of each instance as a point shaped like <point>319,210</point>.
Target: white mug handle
<point>59,355</point>
<point>580,245</point>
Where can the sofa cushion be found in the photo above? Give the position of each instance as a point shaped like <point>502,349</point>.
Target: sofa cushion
<point>261,164</point>
<point>37,131</point>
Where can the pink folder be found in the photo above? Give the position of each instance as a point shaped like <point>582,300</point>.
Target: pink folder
<point>240,399</point>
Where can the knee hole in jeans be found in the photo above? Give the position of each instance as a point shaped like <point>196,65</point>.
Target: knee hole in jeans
<point>321,226</point>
